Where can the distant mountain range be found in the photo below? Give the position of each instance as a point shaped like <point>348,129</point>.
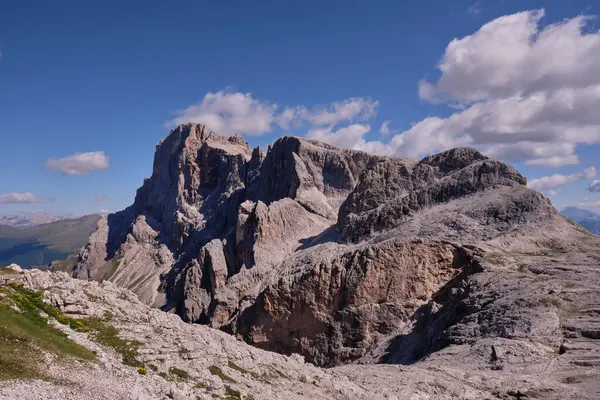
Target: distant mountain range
<point>588,219</point>
<point>42,244</point>
<point>28,219</point>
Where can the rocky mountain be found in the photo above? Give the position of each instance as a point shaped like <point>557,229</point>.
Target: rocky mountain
<point>28,219</point>
<point>445,263</point>
<point>588,219</point>
<point>42,244</point>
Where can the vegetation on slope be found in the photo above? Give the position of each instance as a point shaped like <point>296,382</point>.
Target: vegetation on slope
<point>24,330</point>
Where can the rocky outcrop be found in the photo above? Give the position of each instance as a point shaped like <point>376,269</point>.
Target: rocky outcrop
<point>334,254</point>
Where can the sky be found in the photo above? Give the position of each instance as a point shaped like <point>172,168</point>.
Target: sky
<point>87,89</point>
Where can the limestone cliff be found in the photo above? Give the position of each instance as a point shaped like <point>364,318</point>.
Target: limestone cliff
<point>336,254</point>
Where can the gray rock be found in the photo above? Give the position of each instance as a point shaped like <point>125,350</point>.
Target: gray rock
<point>343,257</point>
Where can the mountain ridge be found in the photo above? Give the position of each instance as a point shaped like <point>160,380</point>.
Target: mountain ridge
<point>347,257</point>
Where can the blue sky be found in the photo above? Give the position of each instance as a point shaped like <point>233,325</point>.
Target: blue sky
<point>91,77</point>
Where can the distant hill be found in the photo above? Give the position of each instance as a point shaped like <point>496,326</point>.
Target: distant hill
<point>588,219</point>
<point>28,219</point>
<point>41,244</point>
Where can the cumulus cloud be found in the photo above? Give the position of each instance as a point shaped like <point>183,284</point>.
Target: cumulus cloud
<point>594,187</point>
<point>350,134</point>
<point>548,183</point>
<point>513,55</point>
<point>524,93</point>
<point>352,109</point>
<point>228,113</point>
<point>79,163</point>
<point>22,198</point>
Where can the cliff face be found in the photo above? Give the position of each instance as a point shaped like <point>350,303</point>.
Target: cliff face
<point>214,209</point>
<point>326,252</point>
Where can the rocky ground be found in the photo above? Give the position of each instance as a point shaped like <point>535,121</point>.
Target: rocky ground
<point>181,361</point>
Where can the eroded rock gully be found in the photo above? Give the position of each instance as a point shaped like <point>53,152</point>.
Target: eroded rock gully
<point>340,255</point>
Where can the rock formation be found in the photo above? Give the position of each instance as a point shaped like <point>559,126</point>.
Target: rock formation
<point>342,256</point>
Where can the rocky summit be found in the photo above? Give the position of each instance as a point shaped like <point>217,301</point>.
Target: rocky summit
<point>440,277</point>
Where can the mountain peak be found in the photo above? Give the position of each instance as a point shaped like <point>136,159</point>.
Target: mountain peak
<point>307,244</point>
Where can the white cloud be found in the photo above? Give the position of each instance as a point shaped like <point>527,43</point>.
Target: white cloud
<point>352,109</point>
<point>350,136</point>
<point>524,93</point>
<point>385,128</point>
<point>79,163</point>
<point>589,204</point>
<point>475,8</point>
<point>22,198</point>
<point>227,113</point>
<point>555,181</point>
<point>551,192</point>
<point>103,212</point>
<point>555,161</point>
<point>594,187</point>
<point>512,55</point>
<point>98,198</point>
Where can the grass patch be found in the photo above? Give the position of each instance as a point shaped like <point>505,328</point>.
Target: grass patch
<point>107,335</point>
<point>23,333</point>
<point>31,302</point>
<point>216,371</point>
<point>232,394</point>
<point>179,373</point>
<point>242,370</point>
<point>142,371</point>
<point>183,351</point>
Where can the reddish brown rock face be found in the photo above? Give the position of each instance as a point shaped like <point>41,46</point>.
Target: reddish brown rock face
<point>350,300</point>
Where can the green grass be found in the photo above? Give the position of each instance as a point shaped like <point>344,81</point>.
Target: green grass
<point>179,373</point>
<point>232,394</point>
<point>107,335</point>
<point>101,331</point>
<point>216,371</point>
<point>31,302</point>
<point>242,370</point>
<point>23,333</point>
